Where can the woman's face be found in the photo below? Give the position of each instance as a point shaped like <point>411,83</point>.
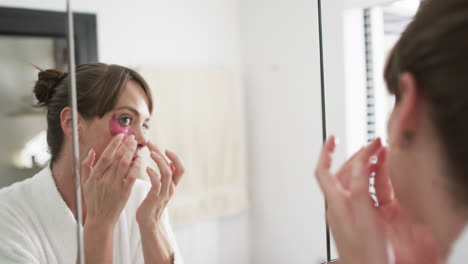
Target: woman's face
<point>129,116</point>
<point>413,155</point>
<point>403,172</point>
<point>402,155</point>
<point>395,163</point>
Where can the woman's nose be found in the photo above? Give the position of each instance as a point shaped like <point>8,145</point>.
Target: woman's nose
<point>141,138</point>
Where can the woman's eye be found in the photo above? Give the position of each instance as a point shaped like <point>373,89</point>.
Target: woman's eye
<point>125,120</point>
<point>145,127</point>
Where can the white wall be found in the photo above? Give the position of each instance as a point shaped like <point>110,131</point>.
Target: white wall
<point>281,67</point>
<point>365,3</point>
<point>176,32</point>
<point>162,32</point>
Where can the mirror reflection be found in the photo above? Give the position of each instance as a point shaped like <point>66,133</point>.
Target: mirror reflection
<point>199,125</point>
<point>23,156</point>
<point>200,118</point>
<point>414,149</point>
<point>370,30</point>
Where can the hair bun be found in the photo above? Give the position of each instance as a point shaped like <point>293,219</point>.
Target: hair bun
<point>45,86</point>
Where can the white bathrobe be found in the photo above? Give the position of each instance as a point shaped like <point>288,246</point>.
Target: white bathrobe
<point>459,254</point>
<point>36,226</point>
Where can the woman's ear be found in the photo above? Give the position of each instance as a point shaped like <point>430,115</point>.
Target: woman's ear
<point>406,117</point>
<point>66,122</point>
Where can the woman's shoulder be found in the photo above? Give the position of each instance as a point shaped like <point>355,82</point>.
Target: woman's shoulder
<point>15,203</point>
<point>16,194</point>
<point>19,240</point>
<point>24,200</point>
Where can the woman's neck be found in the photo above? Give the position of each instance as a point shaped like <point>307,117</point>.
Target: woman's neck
<point>447,222</point>
<point>437,206</point>
<point>62,172</point>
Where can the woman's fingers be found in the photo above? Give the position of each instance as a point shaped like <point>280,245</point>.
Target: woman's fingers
<point>382,183</point>
<point>360,200</point>
<point>325,155</point>
<point>127,146</point>
<point>166,174</point>
<point>322,171</point>
<point>130,179</point>
<point>123,164</point>
<point>87,165</point>
<point>327,182</point>
<point>178,169</point>
<point>348,199</point>
<point>107,156</point>
<point>123,167</point>
<point>370,150</point>
<point>155,181</point>
<point>360,170</point>
<point>154,148</point>
<point>343,174</point>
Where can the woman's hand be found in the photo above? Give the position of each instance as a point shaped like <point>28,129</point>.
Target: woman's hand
<point>365,233</point>
<point>107,186</point>
<point>106,189</point>
<point>155,242</point>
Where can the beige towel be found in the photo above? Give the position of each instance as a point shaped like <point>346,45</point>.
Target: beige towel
<point>198,115</point>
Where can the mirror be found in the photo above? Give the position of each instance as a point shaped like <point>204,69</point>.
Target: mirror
<point>24,46</point>
<point>358,104</point>
<point>236,96</point>
<point>31,39</point>
<point>23,156</point>
<point>236,92</point>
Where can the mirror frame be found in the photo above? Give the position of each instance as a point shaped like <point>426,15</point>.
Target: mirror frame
<point>41,23</point>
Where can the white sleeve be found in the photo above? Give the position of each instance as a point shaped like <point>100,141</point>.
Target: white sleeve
<point>139,193</point>
<point>172,240</point>
<point>15,246</point>
<point>459,254</point>
<point>139,258</point>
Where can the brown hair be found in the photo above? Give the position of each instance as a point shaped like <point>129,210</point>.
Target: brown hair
<point>434,48</point>
<point>98,88</point>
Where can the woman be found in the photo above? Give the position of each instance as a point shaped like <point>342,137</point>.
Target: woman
<point>421,178</point>
<point>124,218</point>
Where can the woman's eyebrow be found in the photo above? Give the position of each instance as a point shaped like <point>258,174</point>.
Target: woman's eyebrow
<point>131,109</point>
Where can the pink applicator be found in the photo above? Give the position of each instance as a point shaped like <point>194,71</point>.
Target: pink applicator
<point>115,128</point>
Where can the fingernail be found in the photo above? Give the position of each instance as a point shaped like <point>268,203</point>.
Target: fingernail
<point>120,136</point>
<point>337,141</point>
<point>131,137</point>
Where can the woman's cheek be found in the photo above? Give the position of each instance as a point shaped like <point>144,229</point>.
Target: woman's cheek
<point>116,128</point>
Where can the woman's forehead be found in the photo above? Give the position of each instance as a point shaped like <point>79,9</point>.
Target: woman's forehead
<point>133,97</point>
